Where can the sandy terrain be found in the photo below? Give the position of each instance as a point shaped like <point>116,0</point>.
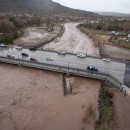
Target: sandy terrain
<point>122,109</point>
<point>34,35</point>
<point>116,52</point>
<point>32,99</point>
<point>73,41</point>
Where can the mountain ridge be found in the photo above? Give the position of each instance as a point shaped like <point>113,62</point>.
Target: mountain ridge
<point>41,6</point>
<point>113,14</point>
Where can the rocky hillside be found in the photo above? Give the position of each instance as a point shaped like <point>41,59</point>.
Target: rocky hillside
<point>40,6</point>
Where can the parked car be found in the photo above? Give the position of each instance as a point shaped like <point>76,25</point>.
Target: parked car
<point>91,68</point>
<point>10,56</point>
<point>81,55</point>
<point>18,47</point>
<point>106,59</point>
<point>3,45</point>
<point>32,49</point>
<point>24,54</point>
<point>62,52</point>
<point>49,58</point>
<point>33,59</point>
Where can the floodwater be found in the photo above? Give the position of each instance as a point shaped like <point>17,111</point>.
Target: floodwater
<point>73,41</point>
<point>32,99</point>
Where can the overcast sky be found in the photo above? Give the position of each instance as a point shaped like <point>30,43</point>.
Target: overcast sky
<point>122,6</point>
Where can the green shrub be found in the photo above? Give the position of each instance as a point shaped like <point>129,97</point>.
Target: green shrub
<point>106,111</point>
<point>8,38</point>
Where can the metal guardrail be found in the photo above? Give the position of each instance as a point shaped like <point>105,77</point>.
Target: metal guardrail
<point>62,69</point>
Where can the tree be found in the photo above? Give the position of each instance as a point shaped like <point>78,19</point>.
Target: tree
<point>7,27</point>
<point>50,22</point>
<point>18,23</point>
<point>9,31</point>
<point>37,20</point>
<point>126,27</point>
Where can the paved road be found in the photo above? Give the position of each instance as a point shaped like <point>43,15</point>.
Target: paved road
<point>114,68</point>
<point>127,75</point>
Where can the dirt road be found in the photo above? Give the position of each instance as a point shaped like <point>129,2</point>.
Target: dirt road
<point>116,52</point>
<point>32,99</point>
<point>73,41</point>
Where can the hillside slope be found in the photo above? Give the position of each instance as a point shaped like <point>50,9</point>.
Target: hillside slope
<point>40,6</point>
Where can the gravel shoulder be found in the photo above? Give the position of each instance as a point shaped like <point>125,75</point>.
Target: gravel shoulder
<point>115,52</point>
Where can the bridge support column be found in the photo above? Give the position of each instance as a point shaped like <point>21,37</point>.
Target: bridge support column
<point>19,64</point>
<point>67,74</point>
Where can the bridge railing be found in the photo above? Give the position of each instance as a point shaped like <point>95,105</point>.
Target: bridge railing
<point>62,68</point>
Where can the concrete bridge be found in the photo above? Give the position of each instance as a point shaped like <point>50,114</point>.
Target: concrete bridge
<point>65,69</point>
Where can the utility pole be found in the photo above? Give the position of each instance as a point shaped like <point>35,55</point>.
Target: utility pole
<point>68,70</point>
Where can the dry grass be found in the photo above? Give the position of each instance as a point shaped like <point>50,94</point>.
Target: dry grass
<point>102,38</point>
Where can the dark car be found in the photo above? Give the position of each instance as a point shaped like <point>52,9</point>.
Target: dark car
<point>91,68</point>
<point>32,49</point>
<point>24,54</point>
<point>33,59</point>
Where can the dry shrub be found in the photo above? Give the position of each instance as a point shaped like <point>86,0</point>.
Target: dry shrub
<point>89,114</point>
<point>91,110</point>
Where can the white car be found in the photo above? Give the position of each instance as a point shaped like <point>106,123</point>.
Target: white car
<point>10,56</point>
<point>18,47</point>
<point>106,59</point>
<point>49,58</point>
<point>3,45</point>
<point>62,52</point>
<point>81,55</point>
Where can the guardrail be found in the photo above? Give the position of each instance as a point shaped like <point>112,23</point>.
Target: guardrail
<point>62,69</point>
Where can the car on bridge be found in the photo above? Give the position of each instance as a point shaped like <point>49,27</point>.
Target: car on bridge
<point>81,55</point>
<point>10,56</point>
<point>62,52</point>
<point>92,68</point>
<point>3,45</point>
<point>33,59</point>
<point>106,59</point>
<point>24,54</point>
<point>49,58</point>
<point>18,47</point>
<point>32,49</point>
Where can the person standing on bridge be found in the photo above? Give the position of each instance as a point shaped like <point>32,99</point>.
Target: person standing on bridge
<point>117,89</point>
<point>121,89</point>
<point>125,93</point>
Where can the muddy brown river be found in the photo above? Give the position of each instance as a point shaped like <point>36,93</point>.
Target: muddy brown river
<point>32,99</point>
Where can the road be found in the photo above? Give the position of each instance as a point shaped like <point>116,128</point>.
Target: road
<point>113,68</point>
<point>127,75</point>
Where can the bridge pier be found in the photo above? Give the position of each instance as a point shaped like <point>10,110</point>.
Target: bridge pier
<point>64,86</point>
<point>67,70</point>
<point>67,74</point>
<point>67,86</point>
<point>19,64</point>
